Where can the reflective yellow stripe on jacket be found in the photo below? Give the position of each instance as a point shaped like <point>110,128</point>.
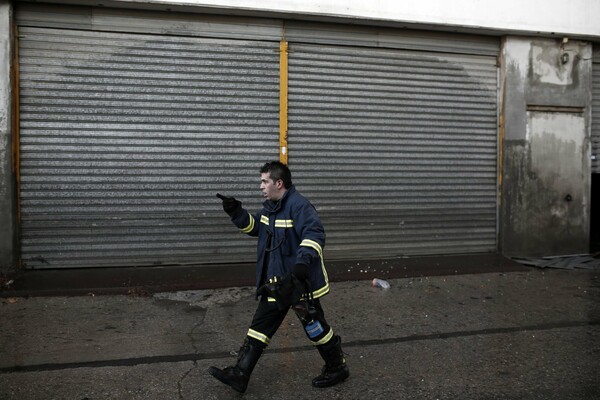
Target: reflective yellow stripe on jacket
<point>314,245</point>
<point>284,223</point>
<point>325,289</point>
<point>250,226</point>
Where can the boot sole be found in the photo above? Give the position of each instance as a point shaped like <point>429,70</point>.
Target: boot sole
<point>339,379</point>
<point>217,374</point>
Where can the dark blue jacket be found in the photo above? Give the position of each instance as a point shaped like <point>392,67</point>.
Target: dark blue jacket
<point>293,232</point>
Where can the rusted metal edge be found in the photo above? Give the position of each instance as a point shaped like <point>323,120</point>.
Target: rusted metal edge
<point>15,119</point>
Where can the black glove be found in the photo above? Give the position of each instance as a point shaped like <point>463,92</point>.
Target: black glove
<point>301,272</point>
<point>270,288</point>
<point>231,206</point>
<point>287,291</point>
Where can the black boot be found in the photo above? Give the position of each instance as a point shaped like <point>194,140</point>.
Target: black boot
<point>238,376</point>
<point>335,369</point>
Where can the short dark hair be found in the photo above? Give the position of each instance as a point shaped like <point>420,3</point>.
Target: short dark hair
<point>278,170</point>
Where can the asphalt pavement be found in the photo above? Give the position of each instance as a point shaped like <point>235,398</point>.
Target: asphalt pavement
<point>530,334</point>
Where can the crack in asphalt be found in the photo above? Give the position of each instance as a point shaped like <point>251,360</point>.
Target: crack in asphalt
<point>190,334</point>
<point>196,356</point>
<point>183,377</point>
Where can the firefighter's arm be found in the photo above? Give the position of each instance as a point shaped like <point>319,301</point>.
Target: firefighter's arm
<point>239,215</point>
<point>247,222</point>
<point>312,235</point>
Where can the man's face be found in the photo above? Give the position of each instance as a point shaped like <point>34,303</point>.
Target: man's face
<point>270,190</point>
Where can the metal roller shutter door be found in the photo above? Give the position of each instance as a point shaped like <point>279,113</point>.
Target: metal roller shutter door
<point>126,138</point>
<point>397,149</point>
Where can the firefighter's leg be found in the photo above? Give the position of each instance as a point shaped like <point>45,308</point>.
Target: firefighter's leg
<point>328,344</point>
<point>335,369</point>
<point>238,375</point>
<point>265,323</point>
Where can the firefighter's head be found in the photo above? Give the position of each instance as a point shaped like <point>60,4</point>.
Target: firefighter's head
<point>275,179</point>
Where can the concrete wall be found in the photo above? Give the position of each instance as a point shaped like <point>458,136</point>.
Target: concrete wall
<point>546,166</point>
<point>8,222</point>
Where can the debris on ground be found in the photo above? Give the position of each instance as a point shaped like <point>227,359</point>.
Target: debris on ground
<point>582,261</point>
<point>380,283</point>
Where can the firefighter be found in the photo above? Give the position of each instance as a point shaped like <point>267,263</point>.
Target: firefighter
<point>290,273</point>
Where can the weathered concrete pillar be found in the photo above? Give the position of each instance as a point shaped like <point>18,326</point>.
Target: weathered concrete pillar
<point>546,126</point>
<point>8,198</point>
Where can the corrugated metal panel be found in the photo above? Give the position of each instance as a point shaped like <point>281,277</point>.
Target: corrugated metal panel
<point>207,25</point>
<point>397,149</point>
<point>125,139</point>
<point>147,22</point>
<point>596,110</point>
<point>353,35</point>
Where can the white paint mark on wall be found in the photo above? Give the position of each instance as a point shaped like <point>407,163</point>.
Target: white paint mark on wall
<point>548,67</point>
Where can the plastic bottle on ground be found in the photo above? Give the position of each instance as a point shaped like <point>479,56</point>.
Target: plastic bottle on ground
<point>381,283</point>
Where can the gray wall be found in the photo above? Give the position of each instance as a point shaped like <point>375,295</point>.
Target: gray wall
<point>546,169</point>
<point>8,222</point>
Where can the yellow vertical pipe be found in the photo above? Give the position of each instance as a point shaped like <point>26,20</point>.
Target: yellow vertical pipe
<point>283,101</point>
